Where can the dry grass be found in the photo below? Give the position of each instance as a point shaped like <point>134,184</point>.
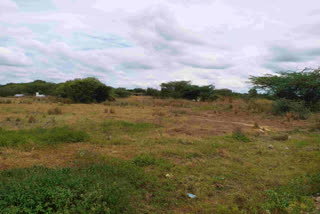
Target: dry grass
<point>210,158</point>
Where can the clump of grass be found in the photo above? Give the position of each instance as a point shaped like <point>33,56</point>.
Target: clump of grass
<point>5,102</point>
<point>127,127</point>
<point>31,119</point>
<point>112,187</point>
<point>239,135</point>
<point>144,160</point>
<point>41,136</point>
<point>55,111</point>
<point>256,125</point>
<point>295,197</point>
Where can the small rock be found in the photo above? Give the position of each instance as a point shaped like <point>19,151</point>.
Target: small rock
<point>286,148</point>
<point>168,175</point>
<point>270,146</point>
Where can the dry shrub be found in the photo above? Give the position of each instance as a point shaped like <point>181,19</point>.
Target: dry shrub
<point>260,106</point>
<point>256,125</point>
<point>55,111</point>
<point>112,111</point>
<point>317,123</point>
<point>159,113</point>
<point>31,119</point>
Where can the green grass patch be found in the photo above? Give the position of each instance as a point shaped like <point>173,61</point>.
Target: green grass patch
<point>41,136</point>
<point>144,160</point>
<point>295,197</point>
<point>127,127</point>
<point>111,187</point>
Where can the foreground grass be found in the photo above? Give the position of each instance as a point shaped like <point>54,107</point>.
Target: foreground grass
<point>41,136</point>
<point>107,187</point>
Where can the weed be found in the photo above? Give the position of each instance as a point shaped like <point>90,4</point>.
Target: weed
<point>31,119</point>
<point>239,135</point>
<point>55,111</point>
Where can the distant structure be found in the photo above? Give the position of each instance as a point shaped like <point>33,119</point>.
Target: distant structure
<point>39,95</point>
<point>19,95</point>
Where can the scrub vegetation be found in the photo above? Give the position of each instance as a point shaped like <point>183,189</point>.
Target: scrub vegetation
<point>146,154</point>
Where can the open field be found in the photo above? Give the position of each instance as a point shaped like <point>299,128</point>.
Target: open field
<point>234,155</point>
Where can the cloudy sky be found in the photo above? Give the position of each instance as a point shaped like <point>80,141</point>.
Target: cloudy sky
<point>142,43</point>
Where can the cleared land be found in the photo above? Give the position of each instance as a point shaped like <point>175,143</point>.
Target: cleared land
<point>232,154</point>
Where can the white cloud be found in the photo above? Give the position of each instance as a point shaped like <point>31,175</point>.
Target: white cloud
<point>143,43</point>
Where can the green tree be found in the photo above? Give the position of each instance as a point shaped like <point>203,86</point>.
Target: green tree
<point>86,90</point>
<point>253,93</point>
<point>152,92</point>
<point>304,85</point>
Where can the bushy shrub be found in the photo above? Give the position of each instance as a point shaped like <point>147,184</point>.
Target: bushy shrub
<point>86,90</point>
<point>282,106</point>
<point>122,92</point>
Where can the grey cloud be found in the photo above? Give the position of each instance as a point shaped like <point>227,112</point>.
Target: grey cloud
<point>13,57</point>
<point>292,54</point>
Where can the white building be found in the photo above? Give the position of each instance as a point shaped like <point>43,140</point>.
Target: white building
<point>39,95</point>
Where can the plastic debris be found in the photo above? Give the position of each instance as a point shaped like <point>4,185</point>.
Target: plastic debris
<point>191,195</point>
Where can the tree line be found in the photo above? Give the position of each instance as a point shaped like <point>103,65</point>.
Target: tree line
<point>302,86</point>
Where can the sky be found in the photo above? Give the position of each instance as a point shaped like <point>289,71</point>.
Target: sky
<point>143,43</point>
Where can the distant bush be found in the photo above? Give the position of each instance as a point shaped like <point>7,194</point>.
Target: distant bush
<point>283,106</point>
<point>152,92</point>
<point>41,136</point>
<point>86,90</point>
<point>184,89</point>
<point>122,92</point>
